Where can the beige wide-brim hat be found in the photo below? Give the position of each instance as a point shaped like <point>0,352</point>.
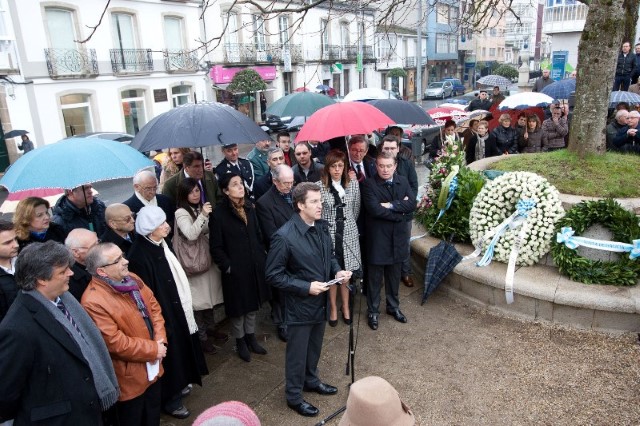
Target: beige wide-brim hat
<point>374,402</point>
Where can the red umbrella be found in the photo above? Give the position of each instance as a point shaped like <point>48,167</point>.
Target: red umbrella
<point>342,119</point>
<point>302,89</point>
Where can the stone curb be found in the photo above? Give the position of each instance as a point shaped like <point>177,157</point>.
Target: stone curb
<point>540,292</point>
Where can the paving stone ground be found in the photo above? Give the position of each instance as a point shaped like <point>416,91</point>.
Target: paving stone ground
<point>453,365</point>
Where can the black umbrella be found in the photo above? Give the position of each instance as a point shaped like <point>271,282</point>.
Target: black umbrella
<point>14,133</point>
<point>442,259</point>
<point>402,111</point>
<point>197,126</point>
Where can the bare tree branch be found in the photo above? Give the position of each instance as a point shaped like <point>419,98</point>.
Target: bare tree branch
<point>93,29</point>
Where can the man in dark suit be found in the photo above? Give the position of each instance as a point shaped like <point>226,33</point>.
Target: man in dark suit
<point>145,185</point>
<point>55,367</point>
<point>362,166</point>
<point>8,254</point>
<point>193,167</point>
<point>275,157</point>
<point>120,226</point>
<point>300,263</point>
<point>232,163</point>
<point>274,209</point>
<point>387,199</point>
<point>307,170</point>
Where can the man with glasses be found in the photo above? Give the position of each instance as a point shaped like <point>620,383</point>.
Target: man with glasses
<point>145,187</point>
<point>80,241</point>
<point>274,209</point>
<point>193,167</point>
<point>130,320</point>
<point>275,157</point>
<point>120,225</point>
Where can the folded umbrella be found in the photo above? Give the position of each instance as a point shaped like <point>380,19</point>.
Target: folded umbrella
<point>196,126</point>
<point>342,119</point>
<point>402,111</point>
<point>441,261</point>
<point>74,162</point>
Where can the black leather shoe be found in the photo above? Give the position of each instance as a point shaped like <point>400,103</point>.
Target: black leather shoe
<point>399,316</point>
<point>333,323</point>
<point>304,409</point>
<point>282,334</point>
<point>180,413</point>
<point>323,389</point>
<point>373,321</point>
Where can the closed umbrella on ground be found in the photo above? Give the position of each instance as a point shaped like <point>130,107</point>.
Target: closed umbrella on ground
<point>442,259</point>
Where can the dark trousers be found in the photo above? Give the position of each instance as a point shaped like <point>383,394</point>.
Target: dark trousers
<point>143,410</point>
<point>621,83</point>
<point>391,274</point>
<point>304,346</point>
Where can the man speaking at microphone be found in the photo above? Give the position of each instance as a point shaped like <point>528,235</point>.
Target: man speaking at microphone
<point>300,263</point>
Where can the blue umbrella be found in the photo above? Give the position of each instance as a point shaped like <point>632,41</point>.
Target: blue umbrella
<point>197,126</point>
<point>560,89</point>
<point>74,162</point>
<point>622,96</point>
<point>323,87</point>
<point>301,104</point>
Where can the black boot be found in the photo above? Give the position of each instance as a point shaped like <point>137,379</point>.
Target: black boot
<point>252,342</point>
<point>243,350</point>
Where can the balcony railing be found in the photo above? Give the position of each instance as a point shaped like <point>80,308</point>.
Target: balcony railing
<point>180,60</point>
<point>71,63</point>
<point>334,53</point>
<point>250,53</point>
<point>130,61</point>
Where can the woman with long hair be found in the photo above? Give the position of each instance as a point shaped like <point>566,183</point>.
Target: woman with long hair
<point>172,165</point>
<point>237,249</point>
<point>32,220</point>
<point>531,140</point>
<point>340,207</point>
<point>192,221</point>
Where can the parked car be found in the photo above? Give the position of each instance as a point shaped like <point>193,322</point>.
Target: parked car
<point>439,89</point>
<point>458,87</point>
<point>275,123</point>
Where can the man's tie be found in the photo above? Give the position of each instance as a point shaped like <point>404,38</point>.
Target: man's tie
<point>359,173</point>
<point>66,313</point>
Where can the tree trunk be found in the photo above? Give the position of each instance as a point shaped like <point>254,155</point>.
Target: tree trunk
<point>631,18</point>
<point>597,57</point>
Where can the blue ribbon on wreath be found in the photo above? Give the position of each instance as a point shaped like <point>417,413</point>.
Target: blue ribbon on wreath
<point>566,237</point>
<point>453,186</point>
<point>523,207</point>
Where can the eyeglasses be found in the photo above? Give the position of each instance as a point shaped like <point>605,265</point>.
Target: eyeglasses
<point>118,260</point>
<point>150,188</point>
<point>126,219</point>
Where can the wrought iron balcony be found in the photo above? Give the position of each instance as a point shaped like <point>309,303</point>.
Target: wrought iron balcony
<point>131,61</point>
<point>71,63</point>
<point>180,60</point>
<point>331,53</point>
<point>250,53</point>
<point>410,62</point>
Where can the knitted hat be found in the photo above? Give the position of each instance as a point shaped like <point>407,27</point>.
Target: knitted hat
<point>373,401</point>
<point>229,413</point>
<point>148,219</point>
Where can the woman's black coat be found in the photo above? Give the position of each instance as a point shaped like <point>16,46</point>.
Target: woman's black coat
<point>185,361</point>
<point>238,251</point>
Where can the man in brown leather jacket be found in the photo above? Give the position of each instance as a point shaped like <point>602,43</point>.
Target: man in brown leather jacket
<point>130,320</point>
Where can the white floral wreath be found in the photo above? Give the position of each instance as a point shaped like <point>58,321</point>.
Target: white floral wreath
<point>498,200</point>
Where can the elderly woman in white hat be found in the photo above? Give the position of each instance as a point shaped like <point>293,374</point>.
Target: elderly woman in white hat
<point>151,259</point>
<point>373,401</point>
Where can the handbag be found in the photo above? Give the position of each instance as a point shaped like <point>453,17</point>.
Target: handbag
<point>194,256</point>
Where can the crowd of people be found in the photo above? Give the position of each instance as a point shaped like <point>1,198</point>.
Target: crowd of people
<point>130,296</point>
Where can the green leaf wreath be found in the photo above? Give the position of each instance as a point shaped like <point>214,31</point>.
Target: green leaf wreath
<point>624,226</point>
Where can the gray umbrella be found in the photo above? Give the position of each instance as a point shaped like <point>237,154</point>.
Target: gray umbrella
<point>14,133</point>
<point>442,259</point>
<point>196,126</point>
<point>494,80</point>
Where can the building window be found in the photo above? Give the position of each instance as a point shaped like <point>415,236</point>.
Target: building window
<point>180,95</point>
<point>133,109</point>
<point>386,46</point>
<point>76,113</point>
<point>283,26</point>
<point>173,33</point>
<point>453,43</point>
<point>492,52</point>
<point>259,39</point>
<point>442,13</point>
<point>344,34</point>
<point>324,34</point>
<point>442,43</point>
<point>493,32</point>
<point>61,27</point>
